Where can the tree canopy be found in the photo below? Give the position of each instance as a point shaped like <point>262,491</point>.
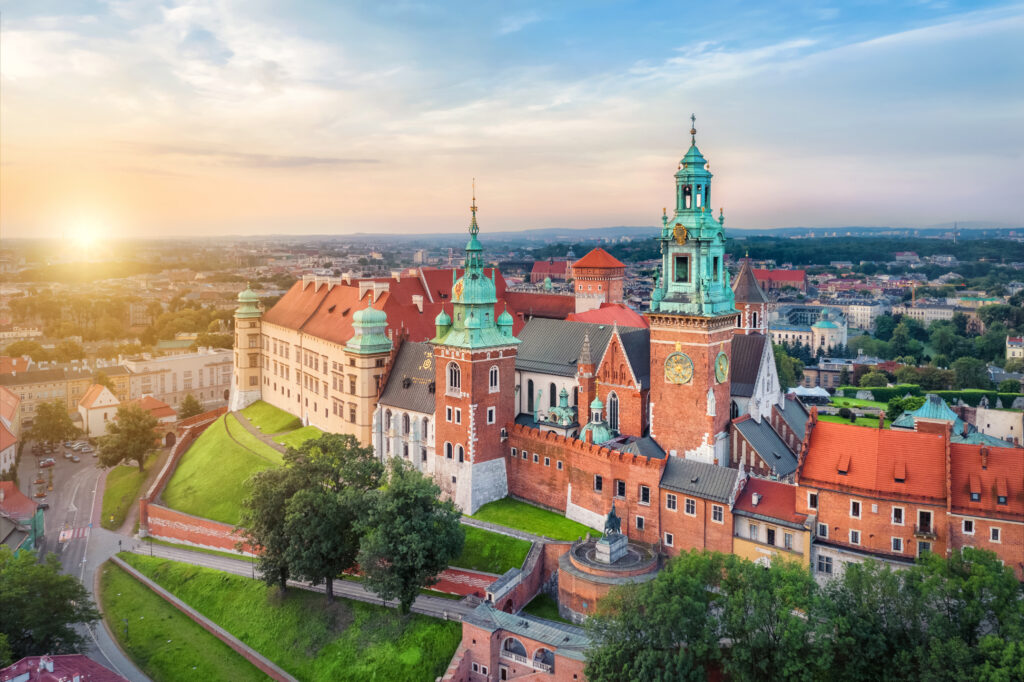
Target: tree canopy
<point>189,407</point>
<point>130,437</point>
<point>52,423</point>
<point>40,606</point>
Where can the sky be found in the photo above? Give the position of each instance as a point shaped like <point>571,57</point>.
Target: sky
<point>154,119</point>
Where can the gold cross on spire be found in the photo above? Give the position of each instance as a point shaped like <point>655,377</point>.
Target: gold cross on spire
<point>693,128</point>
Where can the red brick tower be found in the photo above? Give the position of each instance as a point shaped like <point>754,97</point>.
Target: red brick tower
<point>692,318</point>
<point>597,278</point>
<point>474,364</point>
<point>750,301</point>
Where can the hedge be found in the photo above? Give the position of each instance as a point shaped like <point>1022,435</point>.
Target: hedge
<point>971,396</point>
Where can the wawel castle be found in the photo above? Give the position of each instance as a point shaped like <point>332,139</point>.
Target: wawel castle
<point>576,403</point>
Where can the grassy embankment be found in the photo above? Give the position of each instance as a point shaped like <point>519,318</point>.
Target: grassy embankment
<point>348,640</point>
<point>544,606</point>
<point>122,490</point>
<point>526,517</point>
<point>162,641</point>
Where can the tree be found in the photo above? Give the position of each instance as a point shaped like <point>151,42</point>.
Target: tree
<point>322,522</point>
<point>844,377</point>
<point>68,350</point>
<point>874,379</point>
<point>884,326</point>
<point>40,605</point>
<point>189,407</point>
<point>130,437</point>
<point>1009,386</point>
<point>263,520</point>
<point>29,348</point>
<point>410,536</point>
<point>52,424</point>
<point>971,373</point>
<point>1014,365</point>
<point>790,370</point>
<point>102,379</point>
<point>898,406</point>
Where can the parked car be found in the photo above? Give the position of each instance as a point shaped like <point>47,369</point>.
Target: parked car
<point>68,443</point>
<point>48,462</point>
<point>85,448</point>
<point>76,459</point>
<point>68,455</point>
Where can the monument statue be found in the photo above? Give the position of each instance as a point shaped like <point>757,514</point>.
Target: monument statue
<point>613,523</point>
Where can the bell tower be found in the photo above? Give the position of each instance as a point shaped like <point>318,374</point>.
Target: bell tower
<point>692,318</point>
<point>475,363</point>
<point>246,384</point>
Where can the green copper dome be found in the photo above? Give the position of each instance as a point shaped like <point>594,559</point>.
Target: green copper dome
<point>505,320</point>
<point>597,404</point>
<point>562,414</point>
<point>442,319</point>
<point>370,327</point>
<point>248,304</point>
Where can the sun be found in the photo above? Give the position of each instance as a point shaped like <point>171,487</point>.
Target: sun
<point>85,233</point>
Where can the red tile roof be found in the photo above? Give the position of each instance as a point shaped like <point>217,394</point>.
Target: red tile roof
<point>551,306</point>
<point>990,472</point>
<point>65,668</point>
<point>155,407</point>
<point>872,458</point>
<point>12,364</point>
<point>781,275</point>
<point>609,313</point>
<point>7,439</point>
<point>8,403</point>
<point>550,267</point>
<point>91,396</point>
<point>776,500</point>
<point>15,503</point>
<point>598,258</point>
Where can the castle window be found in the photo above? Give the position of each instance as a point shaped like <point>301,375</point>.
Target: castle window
<point>559,466</point>
<point>513,452</point>
<point>639,523</point>
<point>668,539</point>
<point>387,420</point>
<point>753,320</point>
<point>620,488</point>
<point>715,272</point>
<point>699,195</point>
<point>493,379</point>
<point>553,391</point>
<point>458,416</point>
<point>547,461</point>
<point>687,196</point>
<point>405,424</point>
<point>598,483</point>
<point>490,415</point>
<point>454,378</point>
<point>691,507</point>
<point>462,454</point>
<point>447,450</point>
<point>717,513</point>
<point>426,427</point>
<point>670,502</point>
<point>682,269</point>
<point>645,495</point>
<point>529,395</point>
<point>613,411</point>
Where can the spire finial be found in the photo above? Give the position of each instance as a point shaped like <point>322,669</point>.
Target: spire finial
<point>693,129</point>
<point>473,227</point>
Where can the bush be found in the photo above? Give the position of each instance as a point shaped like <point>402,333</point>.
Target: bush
<point>846,413</point>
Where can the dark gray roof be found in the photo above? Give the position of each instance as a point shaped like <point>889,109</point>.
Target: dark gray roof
<point>768,445</point>
<point>745,288</point>
<point>32,376</point>
<point>553,347</point>
<point>408,386</point>
<point>646,447</point>
<point>746,361</point>
<point>699,479</point>
<point>564,640</point>
<point>795,415</point>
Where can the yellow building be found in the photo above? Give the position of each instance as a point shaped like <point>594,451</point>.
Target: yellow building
<point>35,386</point>
<point>766,525</point>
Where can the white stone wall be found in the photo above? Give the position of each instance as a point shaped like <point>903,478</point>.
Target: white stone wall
<point>575,512</point>
<point>543,381</point>
<point>488,481</point>
<point>7,458</point>
<point>391,442</point>
<point>1005,424</point>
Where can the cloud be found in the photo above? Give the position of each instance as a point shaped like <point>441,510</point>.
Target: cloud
<point>513,23</point>
<point>255,160</point>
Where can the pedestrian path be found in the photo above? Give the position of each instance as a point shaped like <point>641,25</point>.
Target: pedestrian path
<point>505,530</point>
<point>72,533</point>
<point>265,437</point>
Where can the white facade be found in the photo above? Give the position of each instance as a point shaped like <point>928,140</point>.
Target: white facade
<point>542,383</point>
<point>1005,424</point>
<point>205,374</point>
<point>406,434</point>
<point>98,414</point>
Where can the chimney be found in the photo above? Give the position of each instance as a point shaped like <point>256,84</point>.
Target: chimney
<point>417,301</point>
<point>984,458</point>
<point>755,498</point>
<point>881,420</point>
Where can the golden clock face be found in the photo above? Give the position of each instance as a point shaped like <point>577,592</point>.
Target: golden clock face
<point>680,234</point>
<point>678,368</point>
<point>721,367</point>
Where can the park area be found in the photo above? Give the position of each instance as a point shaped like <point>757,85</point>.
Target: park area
<point>298,630</point>
<point>512,513</point>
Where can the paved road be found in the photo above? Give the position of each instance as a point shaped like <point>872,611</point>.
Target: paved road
<point>437,607</point>
<point>75,503</point>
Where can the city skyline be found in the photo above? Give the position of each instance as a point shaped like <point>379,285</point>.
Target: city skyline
<point>201,118</point>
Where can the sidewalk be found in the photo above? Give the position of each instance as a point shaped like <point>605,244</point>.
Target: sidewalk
<point>265,437</point>
<point>505,530</point>
<point>436,607</point>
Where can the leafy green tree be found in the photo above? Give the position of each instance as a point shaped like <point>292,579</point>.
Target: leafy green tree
<point>410,536</point>
<point>52,423</point>
<point>971,373</point>
<point>790,370</point>
<point>884,327</point>
<point>189,407</point>
<point>934,379</point>
<point>907,375</point>
<point>1014,365</point>
<point>1009,386</point>
<point>41,606</point>
<point>874,379</point>
<point>130,437</point>
<point>103,379</point>
<point>844,377</point>
<point>263,520</point>
<point>68,350</point>
<point>29,348</point>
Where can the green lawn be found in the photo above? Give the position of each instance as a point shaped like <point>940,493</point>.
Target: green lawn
<point>124,483</point>
<point>165,643</point>
<point>251,442</point>
<point>491,552</point>
<point>522,516</point>
<point>853,402</point>
<point>349,640</point>
<point>211,478</point>
<point>861,421</point>
<point>299,436</point>
<point>270,419</point>
<point>543,606</point>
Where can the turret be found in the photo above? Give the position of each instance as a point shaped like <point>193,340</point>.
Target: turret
<point>248,363</point>
<point>369,332</point>
<point>442,323</point>
<point>505,323</point>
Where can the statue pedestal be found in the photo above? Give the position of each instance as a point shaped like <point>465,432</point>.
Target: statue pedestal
<point>610,548</point>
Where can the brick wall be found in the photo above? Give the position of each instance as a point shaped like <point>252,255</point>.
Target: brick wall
<point>581,464</point>
<point>697,531</point>
<point>175,526</point>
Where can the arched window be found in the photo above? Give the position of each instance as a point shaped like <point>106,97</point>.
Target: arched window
<point>553,391</point>
<point>454,377</point>
<point>753,319</point>
<point>514,646</point>
<point>734,410</point>
<point>529,395</point>
<point>492,378</point>
<point>613,411</point>
<point>575,395</point>
<point>699,195</point>
<point>448,450</point>
<point>687,195</point>
<point>462,454</point>
<point>387,420</point>
<point>426,428</point>
<point>405,424</point>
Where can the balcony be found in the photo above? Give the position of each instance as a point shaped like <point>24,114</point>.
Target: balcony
<point>925,532</point>
<point>536,664</point>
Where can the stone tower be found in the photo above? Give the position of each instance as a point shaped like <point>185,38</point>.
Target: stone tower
<point>597,278</point>
<point>366,356</point>
<point>692,319</point>
<point>246,386</point>
<point>474,359</point>
<point>750,301</point>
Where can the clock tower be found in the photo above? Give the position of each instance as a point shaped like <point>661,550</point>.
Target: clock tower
<point>692,318</point>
